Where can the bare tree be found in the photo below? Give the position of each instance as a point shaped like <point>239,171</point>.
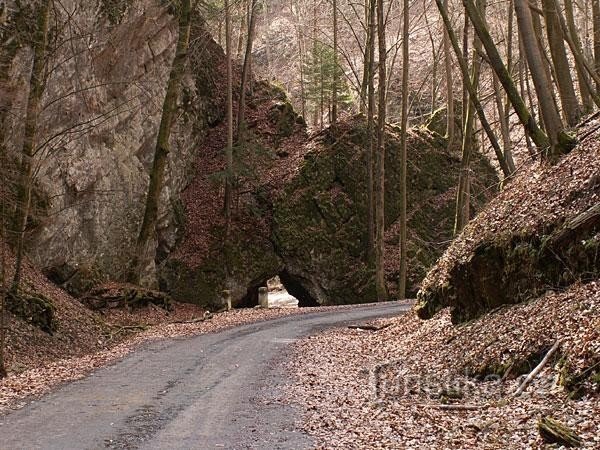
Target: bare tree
<point>162,149</point>
<point>36,91</point>
<point>380,178</point>
<point>450,111</point>
<point>403,151</point>
<point>335,81</point>
<point>241,121</point>
<point>558,52</point>
<point>229,147</point>
<point>559,140</point>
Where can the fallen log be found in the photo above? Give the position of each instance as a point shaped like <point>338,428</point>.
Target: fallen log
<point>554,432</point>
<point>455,407</point>
<point>538,368</point>
<point>369,327</point>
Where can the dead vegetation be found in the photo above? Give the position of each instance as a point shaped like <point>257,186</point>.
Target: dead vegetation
<point>431,384</point>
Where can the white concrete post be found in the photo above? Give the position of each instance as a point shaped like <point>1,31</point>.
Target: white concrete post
<point>263,297</point>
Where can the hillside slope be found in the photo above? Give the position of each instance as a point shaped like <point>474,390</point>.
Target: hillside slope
<point>540,234</point>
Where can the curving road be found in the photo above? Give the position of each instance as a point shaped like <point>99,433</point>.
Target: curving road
<point>203,392</point>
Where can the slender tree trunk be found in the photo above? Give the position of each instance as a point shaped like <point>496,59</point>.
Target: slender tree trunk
<point>380,179</point>
<point>321,91</point>
<point>582,77</point>
<point>450,123</point>
<point>371,132</point>
<point>581,64</point>
<point>503,118</point>
<point>241,120</point>
<point>3,289</point>
<point>242,29</point>
<point>560,142</point>
<point>403,151</point>
<point>36,90</point>
<point>505,114</point>
<point>531,127</point>
<point>161,152</point>
<point>335,81</point>
<point>464,69</point>
<point>364,87</point>
<point>229,146</point>
<point>461,216</point>
<point>300,39</point>
<point>558,53</point>
<point>465,52</point>
<point>596,23</point>
<point>523,76</point>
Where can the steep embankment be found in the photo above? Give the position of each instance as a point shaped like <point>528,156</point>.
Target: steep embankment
<point>541,233</point>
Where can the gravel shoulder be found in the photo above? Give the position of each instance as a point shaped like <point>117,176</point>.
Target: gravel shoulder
<point>210,390</point>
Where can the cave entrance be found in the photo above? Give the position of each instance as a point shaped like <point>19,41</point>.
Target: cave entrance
<point>296,289</point>
<point>284,292</point>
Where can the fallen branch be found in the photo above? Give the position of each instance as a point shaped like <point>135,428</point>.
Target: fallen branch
<point>369,327</point>
<point>554,432</point>
<point>455,407</point>
<point>196,320</point>
<point>538,368</point>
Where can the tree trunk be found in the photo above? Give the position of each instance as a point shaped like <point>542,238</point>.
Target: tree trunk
<point>242,29</point>
<point>582,77</point>
<point>596,22</point>
<point>472,91</point>
<point>503,119</point>
<point>161,152</point>
<point>36,90</point>
<point>560,142</point>
<point>380,179</point>
<point>538,137</point>
<point>241,120</point>
<point>562,69</point>
<point>228,203</point>
<point>364,87</point>
<point>581,63</point>
<point>371,132</point>
<point>403,151</point>
<point>335,81</point>
<point>461,216</point>
<point>450,116</point>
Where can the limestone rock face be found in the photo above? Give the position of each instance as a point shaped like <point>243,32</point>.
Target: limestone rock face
<point>101,112</point>
<point>320,223</point>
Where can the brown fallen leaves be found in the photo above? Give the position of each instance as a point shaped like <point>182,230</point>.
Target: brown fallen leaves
<point>389,388</point>
<point>539,196</point>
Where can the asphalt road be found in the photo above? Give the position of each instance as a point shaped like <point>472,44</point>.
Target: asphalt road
<point>203,392</point>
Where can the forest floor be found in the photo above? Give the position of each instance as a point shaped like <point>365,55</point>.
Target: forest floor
<point>393,388</point>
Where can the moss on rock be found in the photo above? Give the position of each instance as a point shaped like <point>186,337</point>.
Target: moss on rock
<point>33,308</point>
<point>514,269</point>
<point>320,223</point>
<point>246,262</point>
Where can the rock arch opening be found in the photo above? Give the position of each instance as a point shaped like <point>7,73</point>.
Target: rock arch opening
<point>285,290</point>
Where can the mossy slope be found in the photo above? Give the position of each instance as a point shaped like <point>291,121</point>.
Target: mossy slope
<point>321,220</point>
